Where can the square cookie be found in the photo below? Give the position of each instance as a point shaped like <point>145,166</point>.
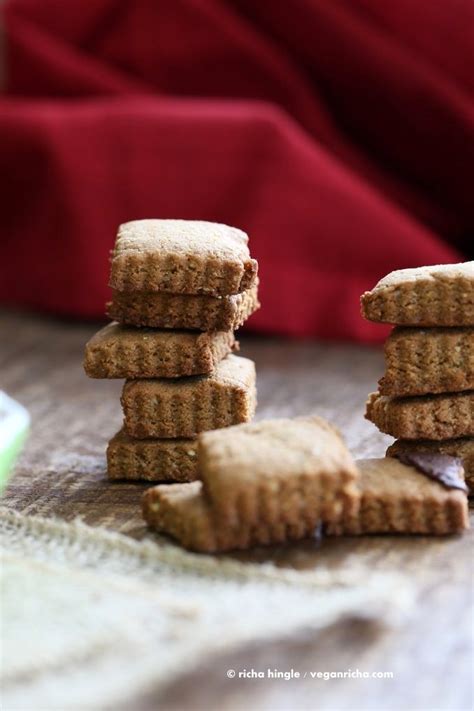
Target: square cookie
<point>421,361</point>
<point>441,295</point>
<point>397,498</point>
<point>183,512</point>
<point>462,448</point>
<point>151,459</point>
<point>120,352</point>
<point>445,416</point>
<point>203,313</point>
<point>292,472</point>
<point>185,406</point>
<point>181,257</point>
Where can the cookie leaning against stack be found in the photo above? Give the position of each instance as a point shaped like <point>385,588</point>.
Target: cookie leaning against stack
<point>426,397</point>
<point>170,276</point>
<point>265,482</point>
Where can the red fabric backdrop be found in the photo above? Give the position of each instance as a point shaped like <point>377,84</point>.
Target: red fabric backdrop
<point>339,134</point>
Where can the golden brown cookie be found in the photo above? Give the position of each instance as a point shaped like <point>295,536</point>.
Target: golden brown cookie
<point>441,295</point>
<point>183,512</point>
<point>397,498</point>
<point>446,416</point>
<point>428,361</point>
<point>268,482</point>
<point>120,352</point>
<point>290,472</point>
<point>462,448</point>
<point>202,312</point>
<point>185,406</point>
<point>151,459</point>
<point>182,257</point>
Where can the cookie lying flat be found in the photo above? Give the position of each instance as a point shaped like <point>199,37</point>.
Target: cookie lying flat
<point>462,448</point>
<point>203,313</point>
<point>445,416</point>
<point>295,472</point>
<point>435,360</point>
<point>181,257</point>
<point>397,498</point>
<point>151,459</point>
<point>427,296</point>
<point>120,352</point>
<point>185,406</point>
<point>183,512</point>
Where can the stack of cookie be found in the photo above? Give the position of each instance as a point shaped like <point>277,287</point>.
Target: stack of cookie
<point>426,397</point>
<point>180,290</point>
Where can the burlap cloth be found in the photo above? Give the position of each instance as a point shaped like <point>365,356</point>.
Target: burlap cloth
<point>91,618</point>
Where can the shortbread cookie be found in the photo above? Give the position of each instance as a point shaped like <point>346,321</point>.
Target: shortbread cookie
<point>433,360</point>
<point>462,448</point>
<point>203,313</point>
<point>292,472</point>
<point>440,295</point>
<point>185,406</point>
<point>397,498</point>
<point>151,459</point>
<point>183,512</point>
<point>120,352</point>
<point>182,257</point>
<point>427,417</point>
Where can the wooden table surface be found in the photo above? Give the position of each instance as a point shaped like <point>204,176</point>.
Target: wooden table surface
<point>62,473</point>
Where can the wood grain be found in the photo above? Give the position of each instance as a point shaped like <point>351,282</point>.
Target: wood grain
<point>62,473</point>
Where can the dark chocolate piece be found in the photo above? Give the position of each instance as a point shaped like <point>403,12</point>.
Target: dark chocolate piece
<point>446,470</point>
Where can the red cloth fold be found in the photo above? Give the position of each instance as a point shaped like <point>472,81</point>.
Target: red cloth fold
<point>341,142</point>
